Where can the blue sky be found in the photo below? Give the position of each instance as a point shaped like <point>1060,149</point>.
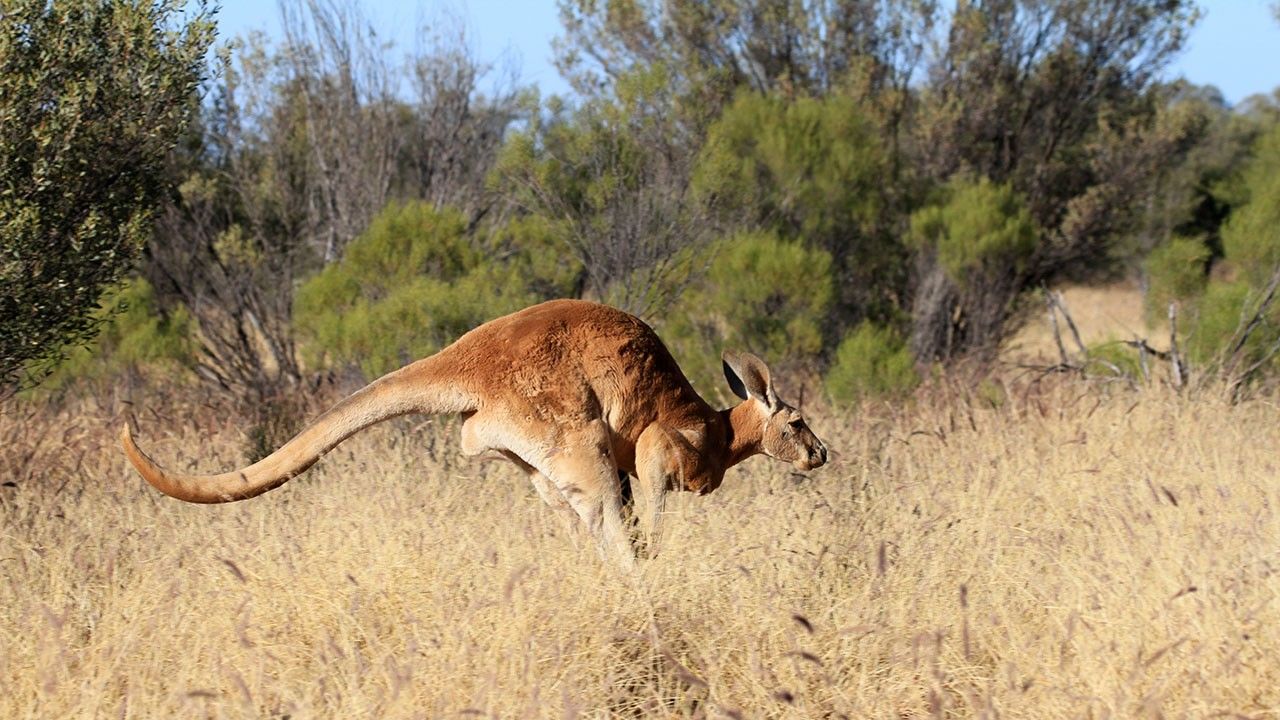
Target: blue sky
<point>1236,45</point>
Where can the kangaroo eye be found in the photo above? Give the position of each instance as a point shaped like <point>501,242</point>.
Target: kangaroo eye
<point>797,423</point>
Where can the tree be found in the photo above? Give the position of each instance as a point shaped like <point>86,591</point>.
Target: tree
<point>764,45</point>
<point>1231,319</point>
<point>303,144</point>
<point>870,51</point>
<point>762,294</point>
<point>305,141</point>
<point>614,179</point>
<point>978,239</point>
<point>1185,200</point>
<point>93,96</point>
<point>811,170</point>
<point>1060,102</point>
<point>1179,234</point>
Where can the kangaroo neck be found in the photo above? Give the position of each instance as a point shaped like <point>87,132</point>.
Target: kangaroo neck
<point>744,433</point>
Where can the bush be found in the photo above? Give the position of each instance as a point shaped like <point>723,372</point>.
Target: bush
<point>415,281</point>
<point>1221,314</point>
<point>1110,356</point>
<point>760,294</point>
<point>976,226</point>
<point>871,361</point>
<point>973,246</point>
<point>1251,235</point>
<point>403,242</point>
<point>93,97</point>
<point>611,179</point>
<point>810,169</point>
<point>134,333</point>
<point>1251,246</point>
<point>533,247</point>
<point>1176,271</point>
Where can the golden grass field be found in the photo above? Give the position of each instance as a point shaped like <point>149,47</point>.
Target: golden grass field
<point>1064,550</point>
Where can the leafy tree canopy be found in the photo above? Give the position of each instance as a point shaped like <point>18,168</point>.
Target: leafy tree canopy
<point>93,96</point>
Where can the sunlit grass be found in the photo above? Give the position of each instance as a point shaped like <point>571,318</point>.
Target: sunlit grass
<point>1084,551</point>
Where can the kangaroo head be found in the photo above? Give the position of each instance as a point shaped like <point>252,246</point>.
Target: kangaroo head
<point>782,430</point>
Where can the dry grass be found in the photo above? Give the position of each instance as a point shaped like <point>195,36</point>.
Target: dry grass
<point>1073,554</point>
<point>1102,314</point>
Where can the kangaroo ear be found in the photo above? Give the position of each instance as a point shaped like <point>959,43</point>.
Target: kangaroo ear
<point>748,377</point>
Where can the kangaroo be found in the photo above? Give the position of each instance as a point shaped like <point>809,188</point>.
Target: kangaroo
<point>575,394</point>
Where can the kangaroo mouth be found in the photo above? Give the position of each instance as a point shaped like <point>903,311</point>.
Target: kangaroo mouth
<point>815,460</point>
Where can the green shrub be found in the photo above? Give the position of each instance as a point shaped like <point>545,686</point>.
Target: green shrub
<point>1114,355</point>
<point>406,241</point>
<point>415,281</point>
<point>610,179</point>
<point>871,361</point>
<point>1251,247</point>
<point>813,165</point>
<point>1176,271</point>
<point>810,169</point>
<point>534,247</point>
<point>1221,314</point>
<point>1251,235</point>
<point>760,294</point>
<point>133,333</point>
<point>975,225</point>
<point>420,318</point>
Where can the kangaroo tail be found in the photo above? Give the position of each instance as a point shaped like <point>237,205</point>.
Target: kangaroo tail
<point>411,389</point>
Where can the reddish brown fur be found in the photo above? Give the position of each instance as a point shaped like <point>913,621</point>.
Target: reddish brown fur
<point>571,391</point>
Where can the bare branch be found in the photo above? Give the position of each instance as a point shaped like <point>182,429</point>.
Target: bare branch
<point>1268,296</point>
<point>1053,322</point>
<point>1179,371</point>
<point>1071,324</point>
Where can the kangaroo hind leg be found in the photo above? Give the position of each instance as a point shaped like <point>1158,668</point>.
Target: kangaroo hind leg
<point>584,472</point>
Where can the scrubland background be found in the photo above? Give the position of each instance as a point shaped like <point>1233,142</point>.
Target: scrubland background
<point>883,200</point>
<point>1020,548</point>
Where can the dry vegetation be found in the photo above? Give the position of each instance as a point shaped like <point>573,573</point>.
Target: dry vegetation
<point>1103,314</point>
<point>1074,551</point>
